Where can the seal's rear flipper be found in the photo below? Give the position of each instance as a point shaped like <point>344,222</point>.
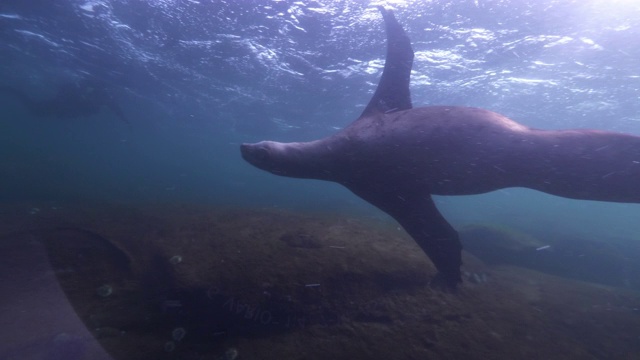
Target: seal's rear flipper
<point>393,93</point>
<point>415,210</point>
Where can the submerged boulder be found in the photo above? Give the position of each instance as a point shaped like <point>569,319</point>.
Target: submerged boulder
<point>605,262</point>
<point>188,283</point>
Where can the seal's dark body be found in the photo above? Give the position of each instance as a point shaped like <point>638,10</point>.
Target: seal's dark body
<point>396,157</point>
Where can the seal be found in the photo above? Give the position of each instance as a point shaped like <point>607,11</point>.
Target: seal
<point>71,100</point>
<point>396,157</point>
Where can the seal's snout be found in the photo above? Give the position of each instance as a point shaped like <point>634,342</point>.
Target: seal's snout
<point>256,154</point>
<point>248,152</point>
<point>244,150</point>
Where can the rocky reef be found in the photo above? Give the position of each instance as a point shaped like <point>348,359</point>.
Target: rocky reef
<point>190,282</point>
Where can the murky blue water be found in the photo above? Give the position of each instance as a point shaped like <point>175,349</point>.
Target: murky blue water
<point>193,79</point>
<point>196,78</point>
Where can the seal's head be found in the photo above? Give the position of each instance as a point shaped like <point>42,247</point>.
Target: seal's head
<point>266,155</point>
<point>309,160</point>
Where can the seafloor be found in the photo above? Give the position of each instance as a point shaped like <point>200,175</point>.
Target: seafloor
<point>202,283</point>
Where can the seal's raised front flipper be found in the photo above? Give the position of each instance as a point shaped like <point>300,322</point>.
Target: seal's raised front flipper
<point>393,93</point>
<point>370,157</point>
<point>411,205</point>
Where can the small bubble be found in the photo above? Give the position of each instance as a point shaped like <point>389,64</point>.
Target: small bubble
<point>178,334</point>
<point>104,291</point>
<point>231,354</point>
<point>176,259</point>
<point>169,346</point>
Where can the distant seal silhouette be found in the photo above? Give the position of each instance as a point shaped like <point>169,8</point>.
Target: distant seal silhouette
<point>71,100</point>
<point>396,157</point>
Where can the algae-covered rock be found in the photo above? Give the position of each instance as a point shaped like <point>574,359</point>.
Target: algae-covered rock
<point>278,285</point>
